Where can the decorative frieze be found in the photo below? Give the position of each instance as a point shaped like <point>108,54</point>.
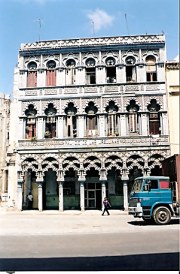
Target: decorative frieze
<point>119,40</point>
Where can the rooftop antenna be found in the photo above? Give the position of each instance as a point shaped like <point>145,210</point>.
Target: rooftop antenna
<point>39,21</point>
<point>126,23</point>
<point>93,27</point>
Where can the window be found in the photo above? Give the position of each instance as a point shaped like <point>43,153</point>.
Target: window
<point>110,70</point>
<point>51,73</point>
<point>71,121</point>
<point>50,122</point>
<point>133,119</point>
<point>112,119</point>
<point>32,75</point>
<point>154,118</point>
<point>130,69</point>
<point>151,74</point>
<point>70,72</point>
<point>91,120</point>
<point>153,184</point>
<point>164,184</point>
<point>90,71</point>
<point>30,126</point>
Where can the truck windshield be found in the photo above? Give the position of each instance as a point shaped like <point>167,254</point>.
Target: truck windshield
<point>137,186</point>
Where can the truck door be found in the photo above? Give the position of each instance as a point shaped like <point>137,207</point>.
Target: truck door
<point>152,194</point>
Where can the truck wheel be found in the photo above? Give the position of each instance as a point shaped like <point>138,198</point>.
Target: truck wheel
<point>162,215</point>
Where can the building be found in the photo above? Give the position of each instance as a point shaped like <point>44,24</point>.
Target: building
<point>88,116</point>
<point>173,90</point>
<point>4,142</point>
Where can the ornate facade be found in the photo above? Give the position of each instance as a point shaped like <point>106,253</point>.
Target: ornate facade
<point>173,90</point>
<point>89,116</point>
<point>4,142</point>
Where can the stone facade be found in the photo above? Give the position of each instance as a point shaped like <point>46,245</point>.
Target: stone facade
<point>4,142</point>
<point>88,116</point>
<point>173,90</point>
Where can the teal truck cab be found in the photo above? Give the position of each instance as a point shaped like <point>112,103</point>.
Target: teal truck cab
<point>154,198</point>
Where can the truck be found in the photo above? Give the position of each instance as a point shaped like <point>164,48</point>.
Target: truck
<point>156,199</point>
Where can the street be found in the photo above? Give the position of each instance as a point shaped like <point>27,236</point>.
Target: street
<point>88,242</point>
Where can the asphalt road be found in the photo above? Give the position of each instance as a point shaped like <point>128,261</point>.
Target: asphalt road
<point>87,242</point>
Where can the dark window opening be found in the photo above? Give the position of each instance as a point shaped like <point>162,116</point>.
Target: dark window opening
<point>130,74</point>
<point>90,76</point>
<point>111,74</point>
<point>151,76</point>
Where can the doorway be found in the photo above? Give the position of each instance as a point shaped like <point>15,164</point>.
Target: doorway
<point>93,195</point>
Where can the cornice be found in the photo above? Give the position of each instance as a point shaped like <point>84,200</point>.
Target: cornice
<point>99,41</point>
<point>172,65</point>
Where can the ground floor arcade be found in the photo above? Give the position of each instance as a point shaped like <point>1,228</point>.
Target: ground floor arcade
<point>81,181</point>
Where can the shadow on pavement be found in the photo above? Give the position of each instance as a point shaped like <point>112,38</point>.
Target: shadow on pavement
<point>142,262</point>
<point>144,223</point>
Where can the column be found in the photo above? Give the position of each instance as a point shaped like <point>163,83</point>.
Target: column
<point>60,127</point>
<point>103,190</point>
<point>82,196</point>
<point>19,195</point>
<point>144,125</point>
<point>40,195</point>
<point>40,128</point>
<point>123,125</point>
<point>61,203</point>
<point>125,195</point>
<point>80,127</point>
<point>102,126</point>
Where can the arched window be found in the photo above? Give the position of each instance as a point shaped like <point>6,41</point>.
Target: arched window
<point>70,72</point>
<point>32,75</point>
<point>112,119</point>
<point>71,121</point>
<point>51,73</point>
<point>90,71</point>
<point>130,69</point>
<point>154,117</point>
<point>151,74</point>
<point>91,119</point>
<point>110,70</point>
<point>50,121</point>
<point>30,122</point>
<point>133,119</point>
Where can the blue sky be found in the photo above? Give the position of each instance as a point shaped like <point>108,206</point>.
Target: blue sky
<point>64,19</point>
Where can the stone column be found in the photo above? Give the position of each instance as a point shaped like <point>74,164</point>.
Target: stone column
<point>40,128</point>
<point>19,195</point>
<point>40,195</point>
<point>125,195</point>
<point>60,127</point>
<point>82,196</point>
<point>125,180</point>
<point>61,203</point>
<point>103,190</point>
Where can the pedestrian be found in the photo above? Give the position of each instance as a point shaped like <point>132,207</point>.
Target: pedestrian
<point>30,200</point>
<point>106,206</point>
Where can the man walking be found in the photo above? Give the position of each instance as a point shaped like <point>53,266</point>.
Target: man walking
<point>106,205</point>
